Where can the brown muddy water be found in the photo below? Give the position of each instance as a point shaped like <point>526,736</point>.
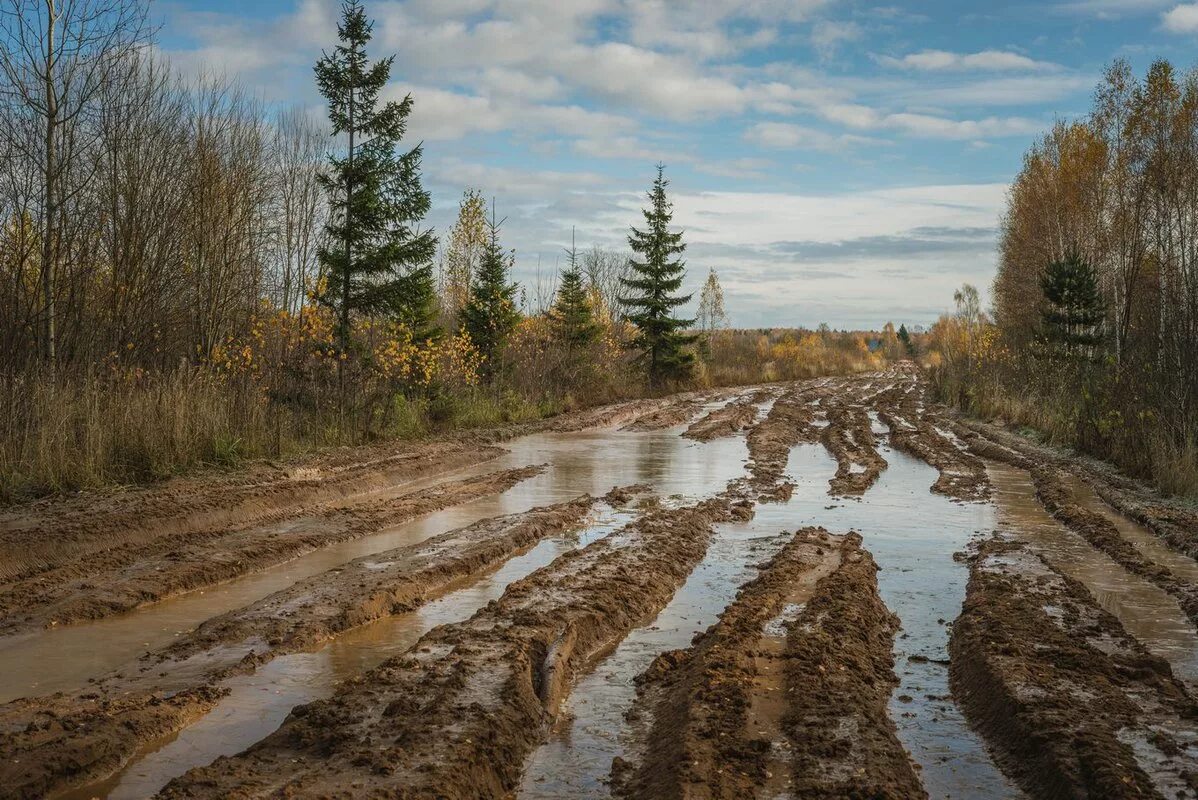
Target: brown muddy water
<point>62,659</point>
<point>1146,611</point>
<point>912,534</point>
<point>678,470</point>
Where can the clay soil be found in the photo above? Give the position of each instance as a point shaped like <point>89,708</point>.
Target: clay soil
<point>63,740</point>
<point>1074,706</point>
<point>786,695</point>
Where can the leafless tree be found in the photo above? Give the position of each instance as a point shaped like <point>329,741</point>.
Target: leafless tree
<point>56,56</point>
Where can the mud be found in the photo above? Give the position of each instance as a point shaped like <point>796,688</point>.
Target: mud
<point>962,474</point>
<point>787,423</point>
<point>730,419</point>
<point>1074,706</point>
<point>456,716</point>
<point>717,705</point>
<point>56,532</point>
<point>839,677</point>
<point>1173,521</point>
<point>125,577</point>
<point>1103,534</point>
<point>849,438</point>
<point>671,411</point>
<point>94,734</point>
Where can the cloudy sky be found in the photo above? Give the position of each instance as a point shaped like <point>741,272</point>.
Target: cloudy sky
<point>839,161</point>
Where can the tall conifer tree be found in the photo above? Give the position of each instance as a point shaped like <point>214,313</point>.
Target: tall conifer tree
<point>377,259</point>
<point>652,291</point>
<point>490,314</point>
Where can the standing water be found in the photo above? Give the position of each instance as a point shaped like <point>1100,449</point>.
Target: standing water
<point>591,462</point>
<point>912,535</point>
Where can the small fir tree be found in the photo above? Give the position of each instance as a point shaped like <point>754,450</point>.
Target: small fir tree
<point>572,315</point>
<point>905,337</point>
<point>491,313</point>
<point>376,259</point>
<point>652,292</point>
<point>1073,314</point>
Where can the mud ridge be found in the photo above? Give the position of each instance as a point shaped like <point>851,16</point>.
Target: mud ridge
<point>1102,534</point>
<point>962,474</point>
<point>189,671</point>
<point>676,410</point>
<point>733,418</point>
<point>1169,519</point>
<point>53,533</point>
<point>850,439</point>
<point>456,716</point>
<point>839,677</point>
<point>710,737</point>
<point>770,441</point>
<point>125,578</point>
<point>1074,706</point>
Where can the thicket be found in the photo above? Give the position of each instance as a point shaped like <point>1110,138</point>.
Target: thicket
<point>189,278</point>
<point>1093,336</point>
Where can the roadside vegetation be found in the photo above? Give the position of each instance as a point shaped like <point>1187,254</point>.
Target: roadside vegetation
<point>189,278</point>
<point>1093,336</point>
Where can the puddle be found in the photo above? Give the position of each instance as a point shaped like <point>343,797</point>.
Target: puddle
<point>591,730</point>
<point>911,533</point>
<point>258,703</point>
<point>62,659</point>
<point>1147,612</point>
<point>1151,546</point>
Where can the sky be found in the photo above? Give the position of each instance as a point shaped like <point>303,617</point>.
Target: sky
<point>838,161</point>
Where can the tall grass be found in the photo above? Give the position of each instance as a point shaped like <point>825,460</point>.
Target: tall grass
<point>63,432</point>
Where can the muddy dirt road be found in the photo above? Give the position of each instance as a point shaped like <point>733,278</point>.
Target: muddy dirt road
<point>823,589</point>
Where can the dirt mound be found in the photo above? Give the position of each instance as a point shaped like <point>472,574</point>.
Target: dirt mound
<point>733,418</point>
<point>787,424</point>
<point>716,707</point>
<point>962,474</point>
<point>1074,706</point>
<point>457,715</point>
<point>849,437</point>
<point>671,411</point>
<point>839,677</point>
<point>125,577</point>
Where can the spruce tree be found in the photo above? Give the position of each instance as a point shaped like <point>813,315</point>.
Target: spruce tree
<point>377,259</point>
<point>905,337</point>
<point>572,315</point>
<point>652,288</point>
<point>491,315</point>
<point>1074,312</point>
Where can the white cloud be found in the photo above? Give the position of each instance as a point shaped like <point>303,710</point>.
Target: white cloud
<point>1181,19</point>
<point>827,36</point>
<point>782,135</point>
<point>985,60</point>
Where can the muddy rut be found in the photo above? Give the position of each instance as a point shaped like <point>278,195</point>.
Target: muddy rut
<point>856,634</point>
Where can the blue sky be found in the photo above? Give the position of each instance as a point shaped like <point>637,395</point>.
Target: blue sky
<point>835,161</point>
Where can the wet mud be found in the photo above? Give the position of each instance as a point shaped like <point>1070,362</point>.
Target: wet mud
<point>123,578</point>
<point>730,419</point>
<point>717,706</point>
<point>1074,706</point>
<point>100,730</point>
<point>456,716</point>
<point>441,631</point>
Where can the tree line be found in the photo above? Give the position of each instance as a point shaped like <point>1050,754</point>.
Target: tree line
<point>1094,326</point>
